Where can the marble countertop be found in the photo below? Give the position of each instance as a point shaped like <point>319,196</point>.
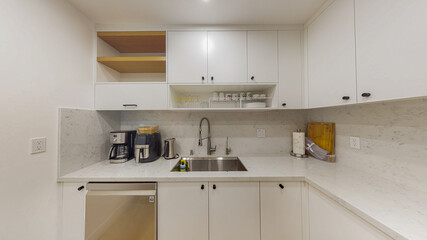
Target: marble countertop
<point>397,210</point>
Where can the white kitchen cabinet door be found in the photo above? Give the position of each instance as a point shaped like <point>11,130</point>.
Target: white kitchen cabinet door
<point>331,56</point>
<point>262,56</point>
<point>183,211</point>
<point>227,56</point>
<point>391,37</point>
<point>134,96</point>
<point>290,70</point>
<point>73,211</point>
<point>281,210</point>
<point>234,211</point>
<point>331,221</point>
<point>187,57</point>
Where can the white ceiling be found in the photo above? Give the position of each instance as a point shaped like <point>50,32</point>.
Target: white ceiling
<point>171,12</point>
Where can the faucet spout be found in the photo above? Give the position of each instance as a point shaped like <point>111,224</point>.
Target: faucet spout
<point>209,143</point>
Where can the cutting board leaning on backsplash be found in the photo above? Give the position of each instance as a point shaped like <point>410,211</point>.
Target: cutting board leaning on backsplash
<point>323,134</point>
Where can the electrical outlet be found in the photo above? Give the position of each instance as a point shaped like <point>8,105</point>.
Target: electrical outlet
<point>38,145</point>
<point>260,133</point>
<point>355,142</point>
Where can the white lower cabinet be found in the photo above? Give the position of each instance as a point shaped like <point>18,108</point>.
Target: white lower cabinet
<point>183,211</point>
<point>73,211</point>
<point>281,210</point>
<point>234,211</point>
<point>330,221</point>
<point>131,96</point>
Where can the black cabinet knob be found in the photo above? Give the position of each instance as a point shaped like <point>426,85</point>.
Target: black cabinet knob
<point>281,186</point>
<point>366,94</point>
<point>203,186</point>
<point>252,78</point>
<point>203,78</point>
<point>346,98</point>
<point>283,104</point>
<point>212,78</point>
<point>214,187</point>
<point>81,188</point>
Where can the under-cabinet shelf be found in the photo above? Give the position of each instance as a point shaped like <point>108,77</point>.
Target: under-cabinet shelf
<point>150,64</point>
<point>136,42</point>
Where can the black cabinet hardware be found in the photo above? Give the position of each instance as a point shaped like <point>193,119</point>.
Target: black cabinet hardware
<point>366,94</point>
<point>203,78</point>
<point>252,78</point>
<point>281,186</point>
<point>130,105</point>
<point>283,104</point>
<point>81,188</point>
<point>212,78</point>
<point>203,186</point>
<point>346,98</point>
<point>214,186</point>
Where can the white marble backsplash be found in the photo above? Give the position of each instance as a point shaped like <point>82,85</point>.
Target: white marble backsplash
<point>84,137</point>
<point>393,138</point>
<point>240,127</point>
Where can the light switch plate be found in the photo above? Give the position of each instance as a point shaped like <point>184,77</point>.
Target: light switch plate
<point>37,145</point>
<point>355,142</point>
<point>260,133</point>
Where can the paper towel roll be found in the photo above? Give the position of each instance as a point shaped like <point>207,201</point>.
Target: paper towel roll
<point>299,143</point>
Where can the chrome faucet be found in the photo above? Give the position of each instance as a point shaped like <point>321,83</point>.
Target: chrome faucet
<point>209,145</point>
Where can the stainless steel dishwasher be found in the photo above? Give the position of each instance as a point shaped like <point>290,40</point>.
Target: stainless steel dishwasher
<point>116,211</point>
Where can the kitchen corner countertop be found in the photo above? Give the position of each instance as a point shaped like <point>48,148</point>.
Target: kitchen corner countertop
<point>397,210</point>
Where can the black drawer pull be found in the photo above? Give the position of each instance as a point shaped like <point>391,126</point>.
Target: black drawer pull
<point>81,188</point>
<point>252,78</point>
<point>130,105</point>
<point>346,98</point>
<point>281,186</point>
<point>212,78</point>
<point>214,186</point>
<point>203,78</point>
<point>366,94</point>
<point>283,104</point>
<point>203,186</point>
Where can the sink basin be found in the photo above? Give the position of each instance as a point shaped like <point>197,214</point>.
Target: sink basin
<point>211,164</point>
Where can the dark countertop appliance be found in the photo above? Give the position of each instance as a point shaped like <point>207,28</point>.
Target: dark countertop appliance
<point>148,144</point>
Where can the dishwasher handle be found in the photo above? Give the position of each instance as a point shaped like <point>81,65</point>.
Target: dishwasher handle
<point>123,193</point>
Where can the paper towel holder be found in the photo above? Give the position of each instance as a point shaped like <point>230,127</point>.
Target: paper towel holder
<point>298,155</point>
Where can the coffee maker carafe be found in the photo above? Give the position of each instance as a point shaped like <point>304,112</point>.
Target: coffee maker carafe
<point>122,146</point>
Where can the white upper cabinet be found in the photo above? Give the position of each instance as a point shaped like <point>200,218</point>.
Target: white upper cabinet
<point>331,56</point>
<point>290,70</point>
<point>187,57</point>
<point>262,56</point>
<point>227,58</point>
<point>131,96</point>
<point>391,49</point>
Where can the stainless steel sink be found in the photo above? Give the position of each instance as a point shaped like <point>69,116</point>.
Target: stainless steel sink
<point>211,164</point>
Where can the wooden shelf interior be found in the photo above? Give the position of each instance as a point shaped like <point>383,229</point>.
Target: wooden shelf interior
<point>152,64</point>
<point>136,42</point>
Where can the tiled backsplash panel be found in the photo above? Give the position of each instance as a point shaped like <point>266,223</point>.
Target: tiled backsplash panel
<point>84,137</point>
<point>393,138</point>
<point>240,127</point>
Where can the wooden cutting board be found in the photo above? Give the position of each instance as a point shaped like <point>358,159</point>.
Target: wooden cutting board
<point>323,134</point>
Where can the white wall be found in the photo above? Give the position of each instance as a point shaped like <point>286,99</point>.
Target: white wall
<point>46,49</point>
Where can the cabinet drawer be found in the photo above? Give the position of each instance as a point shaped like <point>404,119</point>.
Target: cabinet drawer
<point>147,96</point>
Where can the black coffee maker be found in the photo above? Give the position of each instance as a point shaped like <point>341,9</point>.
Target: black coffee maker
<point>148,144</point>
<point>122,146</point>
